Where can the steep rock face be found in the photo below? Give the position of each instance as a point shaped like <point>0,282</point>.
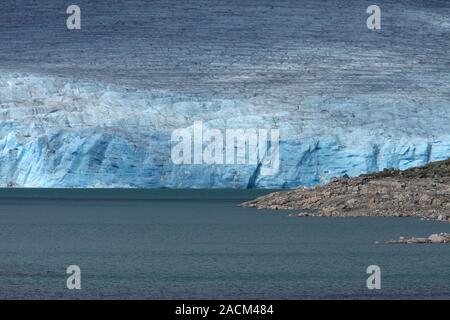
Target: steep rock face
<point>60,133</point>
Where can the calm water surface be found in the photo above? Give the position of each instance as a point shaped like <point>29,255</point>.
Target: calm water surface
<point>158,244</point>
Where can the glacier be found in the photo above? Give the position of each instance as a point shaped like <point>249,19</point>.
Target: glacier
<point>95,108</point>
<point>60,133</point>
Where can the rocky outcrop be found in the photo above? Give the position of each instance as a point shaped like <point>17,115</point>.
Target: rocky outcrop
<point>420,192</point>
<point>434,238</point>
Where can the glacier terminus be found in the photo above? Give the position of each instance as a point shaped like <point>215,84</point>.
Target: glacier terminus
<point>96,107</point>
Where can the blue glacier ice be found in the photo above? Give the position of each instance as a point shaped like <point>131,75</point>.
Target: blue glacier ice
<point>59,133</point>
<point>96,107</point>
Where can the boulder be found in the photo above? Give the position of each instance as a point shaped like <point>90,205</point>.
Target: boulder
<point>436,238</point>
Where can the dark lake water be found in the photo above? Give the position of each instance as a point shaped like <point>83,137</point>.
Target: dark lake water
<point>180,244</point>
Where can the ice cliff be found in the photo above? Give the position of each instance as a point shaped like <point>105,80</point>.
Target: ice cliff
<point>60,133</point>
<point>96,107</point>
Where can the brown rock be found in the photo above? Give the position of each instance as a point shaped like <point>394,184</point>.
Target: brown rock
<point>416,192</point>
<point>425,200</point>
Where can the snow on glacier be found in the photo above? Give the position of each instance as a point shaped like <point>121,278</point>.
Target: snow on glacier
<point>59,132</point>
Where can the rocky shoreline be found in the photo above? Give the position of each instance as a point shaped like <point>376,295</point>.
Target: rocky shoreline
<point>419,192</point>
<point>434,238</point>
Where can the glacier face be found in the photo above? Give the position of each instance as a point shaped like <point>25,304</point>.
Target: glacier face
<point>96,107</point>
<point>59,132</point>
